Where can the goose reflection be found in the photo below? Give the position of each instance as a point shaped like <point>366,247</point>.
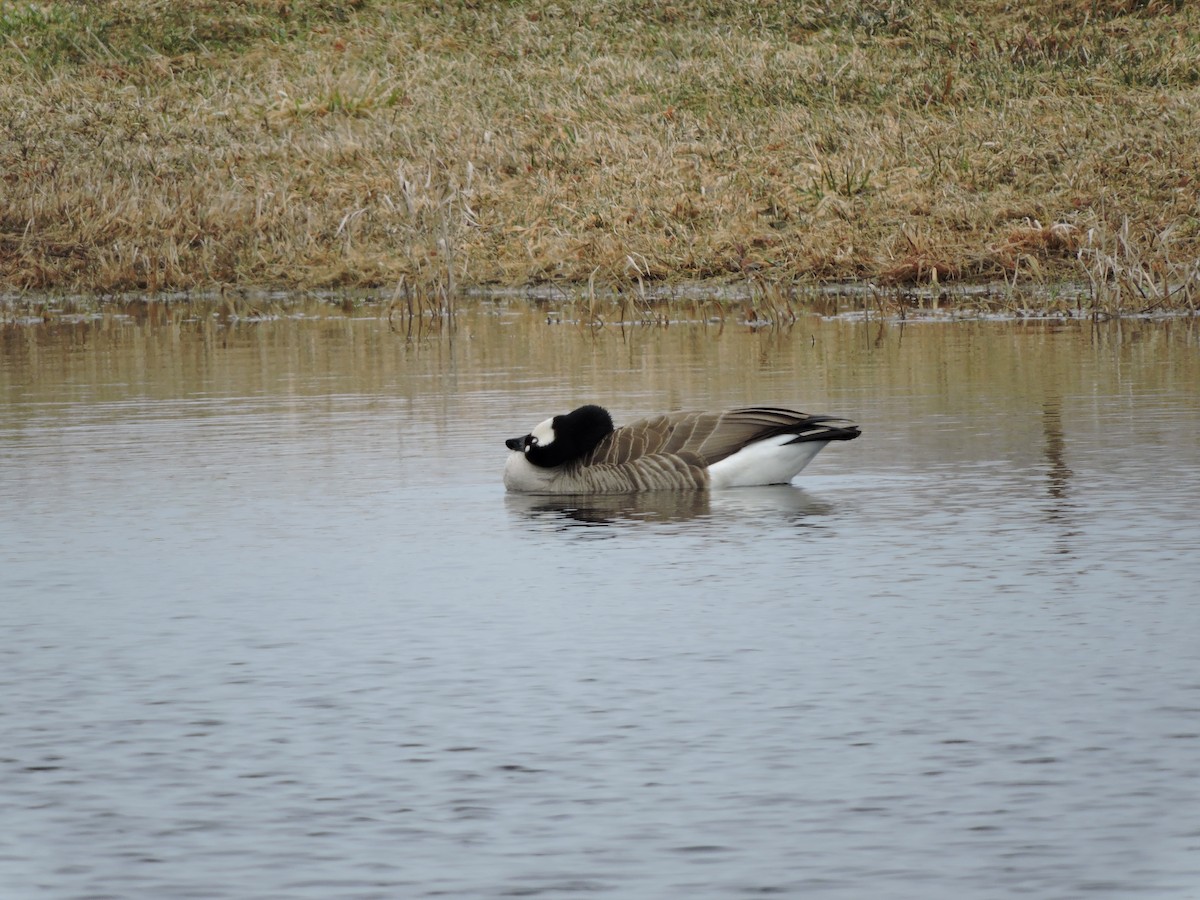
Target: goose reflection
<point>782,502</point>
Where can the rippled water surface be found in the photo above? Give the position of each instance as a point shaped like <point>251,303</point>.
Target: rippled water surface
<point>270,627</point>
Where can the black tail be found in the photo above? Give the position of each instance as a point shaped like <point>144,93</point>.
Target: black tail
<point>826,428</point>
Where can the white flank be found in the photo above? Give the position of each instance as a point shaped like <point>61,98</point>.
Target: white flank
<point>770,461</point>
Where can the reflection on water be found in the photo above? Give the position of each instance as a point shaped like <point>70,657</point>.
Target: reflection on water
<point>1058,474</point>
<point>270,626</point>
<point>609,509</point>
<point>778,503</point>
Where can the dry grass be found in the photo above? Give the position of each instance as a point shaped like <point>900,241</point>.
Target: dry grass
<point>147,145</point>
<point>1125,276</point>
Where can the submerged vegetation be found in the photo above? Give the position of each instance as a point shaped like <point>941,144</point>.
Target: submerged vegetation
<point>156,146</point>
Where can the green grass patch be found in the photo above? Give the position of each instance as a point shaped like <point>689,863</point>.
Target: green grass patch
<point>52,35</point>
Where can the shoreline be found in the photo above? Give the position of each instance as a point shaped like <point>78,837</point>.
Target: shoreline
<point>684,303</point>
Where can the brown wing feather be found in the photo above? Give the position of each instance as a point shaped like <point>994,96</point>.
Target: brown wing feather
<point>702,438</point>
<point>723,434</point>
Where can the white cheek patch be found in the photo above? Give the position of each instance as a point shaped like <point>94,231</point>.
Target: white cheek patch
<point>544,433</point>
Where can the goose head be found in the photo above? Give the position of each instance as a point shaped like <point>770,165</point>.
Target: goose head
<point>564,438</point>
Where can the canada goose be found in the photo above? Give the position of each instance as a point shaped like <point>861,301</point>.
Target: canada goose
<point>581,453</point>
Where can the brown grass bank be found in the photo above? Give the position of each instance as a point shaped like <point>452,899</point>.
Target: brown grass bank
<point>153,145</point>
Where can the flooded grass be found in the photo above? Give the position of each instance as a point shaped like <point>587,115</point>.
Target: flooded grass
<point>756,305</point>
<point>421,147</point>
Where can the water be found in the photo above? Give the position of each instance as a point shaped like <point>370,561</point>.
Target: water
<point>270,626</point>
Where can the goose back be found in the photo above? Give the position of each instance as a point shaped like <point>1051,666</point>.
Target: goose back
<point>705,437</point>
